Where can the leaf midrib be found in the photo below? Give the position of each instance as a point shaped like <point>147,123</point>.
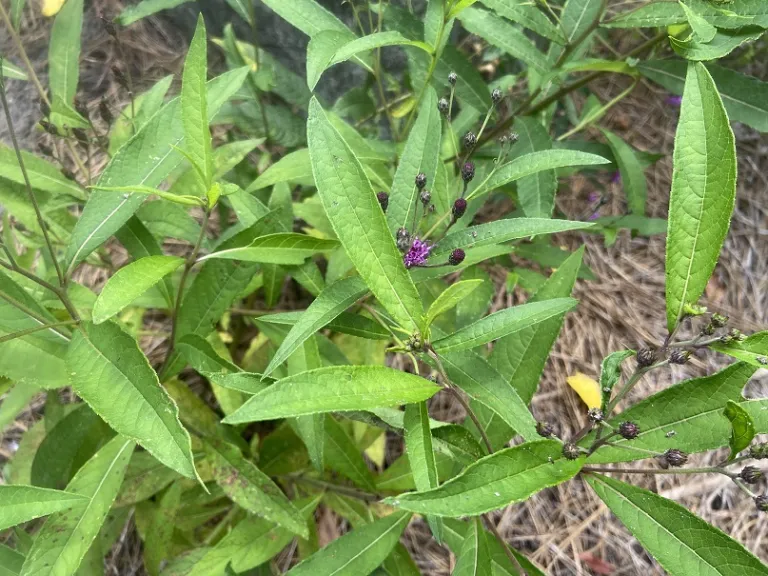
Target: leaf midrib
<point>369,546</point>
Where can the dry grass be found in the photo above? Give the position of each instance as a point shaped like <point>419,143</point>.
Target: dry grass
<point>566,529</point>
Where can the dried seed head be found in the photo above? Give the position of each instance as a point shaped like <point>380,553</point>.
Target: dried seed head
<point>646,357</point>
<point>595,415</point>
<point>496,96</point>
<point>718,320</point>
<point>456,257</point>
<point>421,180</point>
<point>629,430</point>
<point>468,172</point>
<point>443,105</point>
<point>571,451</point>
<point>403,240</point>
<point>759,451</point>
<point>751,474</point>
<point>678,356</point>
<point>470,139</point>
<point>452,78</point>
<point>383,199</point>
<point>675,457</point>
<point>459,208</point>
<point>105,112</point>
<point>761,502</point>
<point>545,429</point>
<point>426,197</point>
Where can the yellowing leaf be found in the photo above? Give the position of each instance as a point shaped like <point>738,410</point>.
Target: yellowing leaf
<point>587,388</point>
<point>51,7</point>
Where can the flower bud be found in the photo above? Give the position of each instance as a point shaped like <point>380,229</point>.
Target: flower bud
<point>759,451</point>
<point>737,335</point>
<point>718,320</point>
<point>443,105</point>
<point>452,78</point>
<point>468,172</point>
<point>403,240</point>
<point>545,429</point>
<point>513,137</point>
<point>421,180</point>
<point>383,199</point>
<point>470,139</point>
<point>459,207</point>
<point>456,257</point>
<point>105,112</point>
<point>496,96</point>
<point>762,360</point>
<point>571,451</point>
<point>762,503</point>
<point>646,357</point>
<point>709,329</point>
<point>751,474</point>
<point>426,197</point>
<point>678,356</point>
<point>595,415</point>
<point>629,430</point>
<point>80,135</point>
<point>675,457</point>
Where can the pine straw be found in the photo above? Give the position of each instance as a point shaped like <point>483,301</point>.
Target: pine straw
<point>566,529</point>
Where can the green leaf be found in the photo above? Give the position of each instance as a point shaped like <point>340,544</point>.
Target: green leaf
<point>681,542</point>
<point>194,107</point>
<point>42,175</point>
<point>745,98</point>
<point>345,323</point>
<point>535,162</point>
<point>19,504</point>
<point>649,15</point>
<point>508,476</point>
<point>356,216</point>
<point>294,166</point>
<point>251,489</point>
<point>157,544</point>
<point>283,248</point>
<point>724,42</point>
<point>474,558</point>
<point>11,561</point>
<point>144,478</point>
<point>10,70</point>
<point>703,31</point>
<point>504,36</point>
<point>528,16</point>
<point>310,428</point>
<point>703,192</point>
<point>147,159</point>
<point>332,389</point>
<point>66,536</point>
<point>421,456</point>
<point>185,200</point>
<point>742,428</point>
<point>610,372</point>
<point>420,155</point>
<point>502,323</point>
<point>520,358</point>
<point>578,17</point>
<point>687,416</point>
<point>136,12</point>
<point>342,455</point>
<point>134,404</point>
<point>130,282</point>
<point>357,552</point>
<point>331,47</point>
<point>450,297</point>
<point>632,175</point>
<point>64,52</point>
<point>501,231</point>
<point>753,350</point>
<point>536,193</point>
<point>307,15</point>
<point>145,105</point>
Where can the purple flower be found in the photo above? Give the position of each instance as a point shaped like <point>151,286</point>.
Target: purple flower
<point>674,100</point>
<point>616,178</point>
<point>418,253</point>
<point>594,216</point>
<point>593,197</point>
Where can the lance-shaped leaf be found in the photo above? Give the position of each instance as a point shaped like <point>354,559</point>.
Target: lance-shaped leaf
<point>649,15</point>
<point>145,160</point>
<point>503,323</point>
<point>420,155</point>
<point>11,561</point>
<point>292,167</point>
<point>20,504</point>
<point>632,175</point>
<point>535,162</point>
<point>450,297</point>
<point>136,12</point>
<point>474,557</point>
<point>66,536</point>
<point>529,16</point>
<point>421,456</point>
<point>356,216</point>
<point>753,350</point>
<point>520,357</point>
<point>688,416</point>
<point>42,175</point>
<point>503,478</point>
<point>681,542</point>
<point>345,323</point>
<point>194,108</point>
<point>157,544</point>
<point>251,489</point>
<point>742,428</point>
<point>610,372</point>
<point>703,192</point>
<point>130,282</point>
<point>501,231</point>
<point>283,248</point>
<point>341,454</point>
<point>64,52</point>
<point>536,193</point>
<point>724,42</point>
<point>357,552</point>
<point>134,403</point>
<point>335,388</point>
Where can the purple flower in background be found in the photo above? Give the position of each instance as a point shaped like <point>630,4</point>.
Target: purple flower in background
<point>418,253</point>
<point>593,197</point>
<point>674,100</point>
<point>594,216</point>
<point>616,178</point>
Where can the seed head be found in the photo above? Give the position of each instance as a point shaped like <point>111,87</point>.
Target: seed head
<point>383,199</point>
<point>456,257</point>
<point>646,357</point>
<point>496,96</point>
<point>452,78</point>
<point>678,356</point>
<point>759,451</point>
<point>762,503</point>
<point>403,240</point>
<point>470,139</point>
<point>571,451</point>
<point>421,180</point>
<point>675,457</point>
<point>459,207</point>
<point>751,474</point>
<point>595,415</point>
<point>443,105</point>
<point>629,430</point>
<point>709,329</point>
<point>426,197</point>
<point>545,429</point>
<point>468,172</point>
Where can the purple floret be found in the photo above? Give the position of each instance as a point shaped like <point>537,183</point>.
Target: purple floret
<point>418,253</point>
<point>674,100</point>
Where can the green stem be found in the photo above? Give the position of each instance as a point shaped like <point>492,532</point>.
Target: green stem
<point>679,471</point>
<point>21,333</point>
<point>634,379</point>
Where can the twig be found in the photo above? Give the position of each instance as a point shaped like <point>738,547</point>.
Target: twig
<point>681,471</point>
<point>28,331</point>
